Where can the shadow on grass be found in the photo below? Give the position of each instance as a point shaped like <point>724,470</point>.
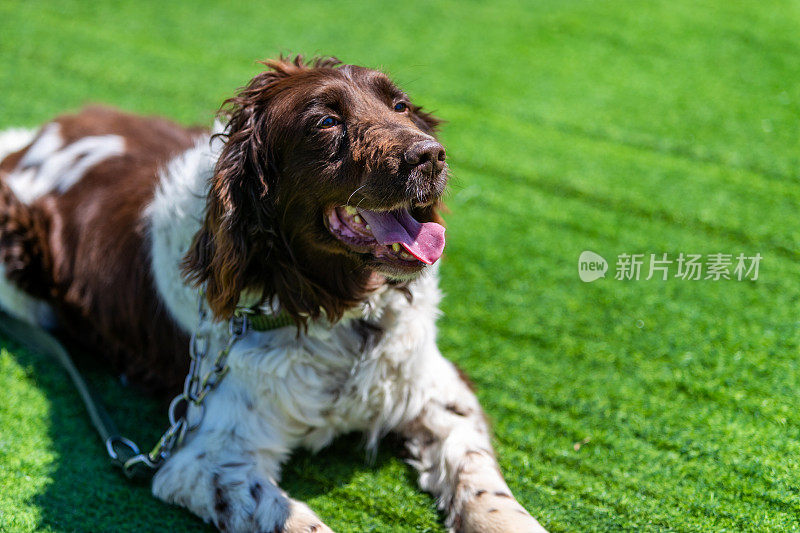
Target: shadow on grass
<point>86,493</point>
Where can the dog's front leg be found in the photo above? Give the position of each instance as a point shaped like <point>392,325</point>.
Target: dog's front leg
<point>226,473</point>
<point>450,446</point>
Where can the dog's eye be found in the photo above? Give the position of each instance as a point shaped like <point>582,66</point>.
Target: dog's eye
<point>328,122</point>
<point>400,107</point>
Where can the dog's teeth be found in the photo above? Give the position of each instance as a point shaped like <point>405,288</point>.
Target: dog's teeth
<point>350,210</point>
<point>357,219</point>
<point>396,247</point>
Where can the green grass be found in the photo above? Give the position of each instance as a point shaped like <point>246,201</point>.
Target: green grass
<point>652,127</point>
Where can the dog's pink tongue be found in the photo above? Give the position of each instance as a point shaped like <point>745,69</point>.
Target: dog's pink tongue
<point>425,241</point>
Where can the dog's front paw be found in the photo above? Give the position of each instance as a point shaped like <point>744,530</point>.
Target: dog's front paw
<point>244,501</point>
<point>264,509</point>
<point>233,495</point>
<point>303,520</point>
<point>493,511</point>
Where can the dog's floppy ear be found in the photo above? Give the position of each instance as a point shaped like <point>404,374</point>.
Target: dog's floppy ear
<point>240,215</point>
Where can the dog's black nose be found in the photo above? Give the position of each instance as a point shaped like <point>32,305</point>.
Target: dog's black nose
<point>428,153</point>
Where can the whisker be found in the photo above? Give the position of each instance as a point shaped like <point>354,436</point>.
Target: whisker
<point>353,193</point>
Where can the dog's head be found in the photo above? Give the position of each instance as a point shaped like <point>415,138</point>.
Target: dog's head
<point>327,186</point>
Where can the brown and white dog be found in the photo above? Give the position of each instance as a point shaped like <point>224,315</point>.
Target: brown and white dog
<point>318,200</point>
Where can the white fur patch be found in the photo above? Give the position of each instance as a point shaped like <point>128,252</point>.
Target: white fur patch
<point>175,215</point>
<point>15,139</point>
<point>50,166</point>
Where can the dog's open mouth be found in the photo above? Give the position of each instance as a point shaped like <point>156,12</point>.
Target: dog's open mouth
<point>393,237</point>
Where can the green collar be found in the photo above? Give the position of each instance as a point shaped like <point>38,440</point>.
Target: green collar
<point>257,320</point>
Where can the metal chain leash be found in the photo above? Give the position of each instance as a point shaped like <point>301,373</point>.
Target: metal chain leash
<point>126,454</point>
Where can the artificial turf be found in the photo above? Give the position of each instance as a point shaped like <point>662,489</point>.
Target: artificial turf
<point>617,127</point>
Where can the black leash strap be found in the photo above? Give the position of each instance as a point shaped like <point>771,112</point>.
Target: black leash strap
<point>120,450</point>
